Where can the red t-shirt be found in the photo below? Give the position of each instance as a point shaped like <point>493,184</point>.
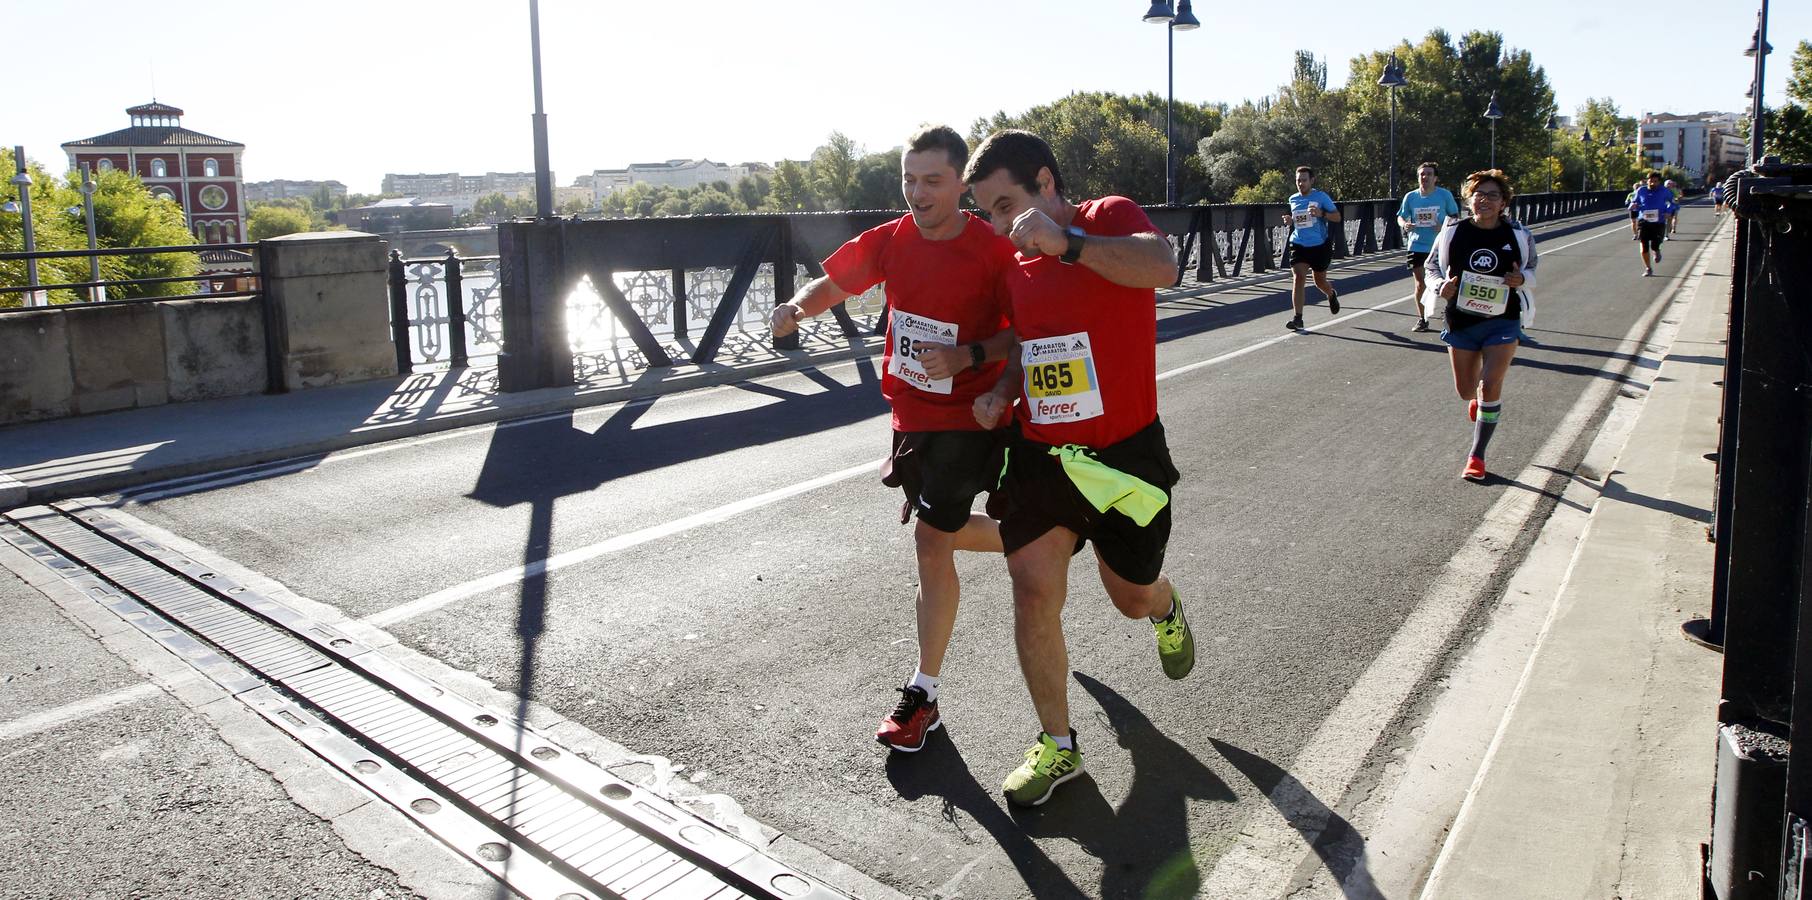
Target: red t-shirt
<point>949,292</point>
<point>1089,346</point>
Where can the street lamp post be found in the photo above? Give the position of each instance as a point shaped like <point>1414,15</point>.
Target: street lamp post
<point>94,261</point>
<point>1759,49</point>
<point>1494,114</point>
<point>1182,18</point>
<point>22,181</point>
<point>544,179</point>
<point>1393,79</point>
<point>1585,177</point>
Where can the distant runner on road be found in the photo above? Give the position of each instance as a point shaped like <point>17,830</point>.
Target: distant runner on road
<point>1422,214</point>
<point>946,338</point>
<point>1091,463</point>
<point>1649,205</point>
<point>1484,267</point>
<point>1310,248</point>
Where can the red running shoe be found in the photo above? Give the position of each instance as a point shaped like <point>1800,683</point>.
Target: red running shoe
<point>911,722</point>
<point>1472,410</point>
<point>1475,469</point>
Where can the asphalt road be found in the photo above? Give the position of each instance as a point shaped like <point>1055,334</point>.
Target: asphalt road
<point>758,646</point>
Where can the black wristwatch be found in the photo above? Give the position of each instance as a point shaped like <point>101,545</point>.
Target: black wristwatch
<point>1073,251</point>
<point>977,356</point>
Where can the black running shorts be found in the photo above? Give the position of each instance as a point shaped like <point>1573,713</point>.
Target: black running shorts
<point>1037,496</point>
<point>941,472</point>
<point>1316,257</point>
<point>1418,259</point>
<point>1652,234</point>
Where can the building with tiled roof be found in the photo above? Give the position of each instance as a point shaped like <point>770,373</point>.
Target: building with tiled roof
<point>198,171</point>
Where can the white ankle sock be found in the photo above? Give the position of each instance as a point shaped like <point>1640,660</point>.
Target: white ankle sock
<point>926,683</point>
<point>1064,743</point>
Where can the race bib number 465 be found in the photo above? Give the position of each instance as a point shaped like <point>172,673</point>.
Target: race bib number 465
<point>1060,379</point>
<point>1483,295</point>
<point>908,328</point>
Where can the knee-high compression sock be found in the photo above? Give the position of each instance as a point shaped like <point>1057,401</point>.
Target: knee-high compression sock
<point>1486,424</point>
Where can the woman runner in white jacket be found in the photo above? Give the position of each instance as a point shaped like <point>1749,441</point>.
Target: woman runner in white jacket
<point>1484,267</point>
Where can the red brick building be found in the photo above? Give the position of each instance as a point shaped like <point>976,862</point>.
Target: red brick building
<point>198,171</point>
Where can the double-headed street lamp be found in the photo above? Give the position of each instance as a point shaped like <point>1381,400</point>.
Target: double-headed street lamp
<point>1494,114</point>
<point>1181,18</point>
<point>1585,179</point>
<point>22,206</point>
<point>1393,79</point>
<point>1759,50</point>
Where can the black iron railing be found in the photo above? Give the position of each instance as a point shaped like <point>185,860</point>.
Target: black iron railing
<point>1762,568</point>
<point>242,281</point>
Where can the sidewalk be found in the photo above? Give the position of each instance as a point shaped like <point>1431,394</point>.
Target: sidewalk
<point>1598,783</point>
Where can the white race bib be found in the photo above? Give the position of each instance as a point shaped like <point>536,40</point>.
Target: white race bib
<point>1425,216</point>
<point>1303,219</point>
<point>1060,381</point>
<point>1483,295</point>
<point>1651,215</point>
<point>908,328</point>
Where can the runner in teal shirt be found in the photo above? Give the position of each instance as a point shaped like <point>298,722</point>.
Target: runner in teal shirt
<point>1310,250</point>
<point>1423,212</point>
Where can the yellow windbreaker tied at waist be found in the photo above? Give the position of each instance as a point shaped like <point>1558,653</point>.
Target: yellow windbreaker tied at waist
<point>1109,488</point>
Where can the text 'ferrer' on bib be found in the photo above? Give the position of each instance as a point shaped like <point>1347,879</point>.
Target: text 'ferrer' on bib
<point>1060,379</point>
<point>908,328</point>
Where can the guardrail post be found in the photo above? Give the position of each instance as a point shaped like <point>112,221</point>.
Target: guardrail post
<point>679,303</point>
<point>456,310</point>
<point>399,313</point>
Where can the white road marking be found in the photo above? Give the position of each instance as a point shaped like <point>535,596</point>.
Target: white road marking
<point>1282,833</point>
<point>40,722</point>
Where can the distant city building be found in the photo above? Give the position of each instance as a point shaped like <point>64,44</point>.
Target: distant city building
<point>679,173</point>
<point>1692,142</point>
<point>461,192</point>
<point>396,214</point>
<point>197,171</point>
<point>262,191</point>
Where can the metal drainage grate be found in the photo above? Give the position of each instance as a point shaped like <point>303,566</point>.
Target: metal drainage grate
<point>542,820</point>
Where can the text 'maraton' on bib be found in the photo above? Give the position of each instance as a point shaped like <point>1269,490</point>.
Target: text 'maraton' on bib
<point>1060,379</point>
<point>1483,295</point>
<point>908,328</point>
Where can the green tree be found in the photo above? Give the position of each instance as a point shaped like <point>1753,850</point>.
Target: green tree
<point>1272,187</point>
<point>270,220</point>
<point>1789,129</point>
<point>1109,143</point>
<point>791,190</point>
<point>878,181</point>
<point>752,192</point>
<point>832,171</point>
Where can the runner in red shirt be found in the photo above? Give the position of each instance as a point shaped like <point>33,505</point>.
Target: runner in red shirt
<point>1091,464</point>
<point>947,333</point>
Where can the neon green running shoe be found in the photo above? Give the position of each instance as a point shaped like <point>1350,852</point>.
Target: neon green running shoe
<point>1176,646</point>
<point>1047,766</point>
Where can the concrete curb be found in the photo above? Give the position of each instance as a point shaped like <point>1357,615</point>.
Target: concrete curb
<point>13,492</point>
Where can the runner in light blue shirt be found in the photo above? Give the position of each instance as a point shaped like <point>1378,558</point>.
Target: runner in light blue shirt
<point>1648,218</point>
<point>1423,212</point>
<point>1310,248</point>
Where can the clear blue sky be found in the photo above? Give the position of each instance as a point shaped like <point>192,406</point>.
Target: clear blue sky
<point>351,90</point>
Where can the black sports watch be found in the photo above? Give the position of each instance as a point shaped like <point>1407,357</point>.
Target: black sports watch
<point>1073,251</point>
<point>977,356</point>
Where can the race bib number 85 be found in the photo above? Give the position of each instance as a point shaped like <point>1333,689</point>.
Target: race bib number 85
<point>908,328</point>
<point>1060,382</point>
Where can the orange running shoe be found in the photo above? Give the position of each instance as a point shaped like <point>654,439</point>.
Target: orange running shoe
<point>1475,469</point>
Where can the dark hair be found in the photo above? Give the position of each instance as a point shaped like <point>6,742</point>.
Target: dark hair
<point>1302,169</point>
<point>1482,176</point>
<point>1021,153</point>
<point>1429,165</point>
<point>940,137</point>
<point>1652,174</point>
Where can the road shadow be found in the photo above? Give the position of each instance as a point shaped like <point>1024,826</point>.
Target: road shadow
<point>1248,307</point>
<point>939,770</point>
<point>1615,490</point>
<point>1523,360</point>
<point>1339,846</point>
<point>1143,846</point>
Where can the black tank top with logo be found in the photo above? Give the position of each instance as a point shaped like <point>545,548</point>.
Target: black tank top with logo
<point>1487,251</point>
